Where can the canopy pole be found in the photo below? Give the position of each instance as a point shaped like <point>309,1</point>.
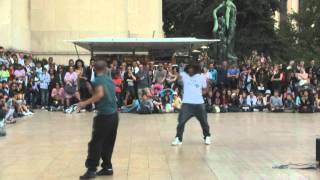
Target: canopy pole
<point>190,52</point>
<point>134,54</point>
<point>91,52</point>
<point>75,46</point>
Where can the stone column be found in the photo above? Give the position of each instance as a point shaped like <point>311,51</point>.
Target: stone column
<point>293,6</point>
<point>5,23</point>
<point>14,25</point>
<point>121,18</point>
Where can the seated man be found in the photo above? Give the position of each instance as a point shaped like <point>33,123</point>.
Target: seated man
<point>146,105</point>
<point>276,103</point>
<point>252,101</point>
<point>289,104</point>
<point>260,105</point>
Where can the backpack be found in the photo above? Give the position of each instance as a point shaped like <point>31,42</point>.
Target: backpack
<point>70,89</point>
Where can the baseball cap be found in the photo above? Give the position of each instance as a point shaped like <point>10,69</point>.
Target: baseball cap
<point>268,91</point>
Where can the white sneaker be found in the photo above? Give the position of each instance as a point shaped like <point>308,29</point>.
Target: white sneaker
<point>176,142</point>
<point>207,140</point>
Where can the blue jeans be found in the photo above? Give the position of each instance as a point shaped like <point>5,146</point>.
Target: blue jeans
<point>44,97</point>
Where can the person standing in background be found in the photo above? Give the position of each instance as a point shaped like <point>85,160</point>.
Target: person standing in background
<point>143,81</point>
<point>44,88</point>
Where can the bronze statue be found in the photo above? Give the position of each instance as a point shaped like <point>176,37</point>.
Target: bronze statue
<point>224,28</point>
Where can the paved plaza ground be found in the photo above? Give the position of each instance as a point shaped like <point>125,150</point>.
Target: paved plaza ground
<point>51,145</point>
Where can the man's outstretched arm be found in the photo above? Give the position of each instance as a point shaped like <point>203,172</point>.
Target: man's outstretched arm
<point>98,94</point>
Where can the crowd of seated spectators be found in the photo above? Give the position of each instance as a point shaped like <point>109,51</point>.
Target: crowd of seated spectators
<point>253,85</point>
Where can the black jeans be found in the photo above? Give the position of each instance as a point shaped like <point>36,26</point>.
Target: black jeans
<point>103,138</point>
<point>192,110</point>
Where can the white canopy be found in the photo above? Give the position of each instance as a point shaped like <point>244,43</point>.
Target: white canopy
<point>140,44</point>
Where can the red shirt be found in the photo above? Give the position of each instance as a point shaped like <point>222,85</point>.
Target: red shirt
<point>11,72</point>
<point>225,100</point>
<point>118,83</point>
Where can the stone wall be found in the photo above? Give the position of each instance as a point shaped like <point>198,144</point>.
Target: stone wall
<point>15,24</point>
<point>42,26</point>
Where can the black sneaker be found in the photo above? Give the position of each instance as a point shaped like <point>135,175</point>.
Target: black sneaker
<point>88,175</point>
<point>105,172</point>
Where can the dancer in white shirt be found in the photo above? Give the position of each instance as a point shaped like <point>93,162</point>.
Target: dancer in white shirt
<point>194,86</point>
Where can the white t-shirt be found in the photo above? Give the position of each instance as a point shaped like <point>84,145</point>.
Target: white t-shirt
<point>192,88</point>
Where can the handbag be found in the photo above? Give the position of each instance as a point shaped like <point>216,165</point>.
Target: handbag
<point>70,89</point>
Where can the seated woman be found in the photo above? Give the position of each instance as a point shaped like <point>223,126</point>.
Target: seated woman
<point>225,99</point>
<point>306,103</point>
<point>70,88</point>
<point>177,102</point>
<point>20,106</point>
<point>157,104</point>
<point>217,103</point>
<point>57,96</point>
<point>167,99</point>
<point>234,103</point>
<point>276,103</point>
<point>131,108</point>
<point>208,101</point>
<point>244,105</point>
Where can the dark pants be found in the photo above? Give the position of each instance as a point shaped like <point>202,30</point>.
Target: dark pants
<point>192,110</point>
<point>119,100</point>
<point>102,141</point>
<point>232,83</point>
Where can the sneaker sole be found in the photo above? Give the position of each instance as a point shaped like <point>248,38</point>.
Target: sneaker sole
<point>176,144</point>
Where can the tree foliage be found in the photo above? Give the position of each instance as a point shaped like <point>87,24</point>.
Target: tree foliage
<point>255,23</point>
<point>302,36</point>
